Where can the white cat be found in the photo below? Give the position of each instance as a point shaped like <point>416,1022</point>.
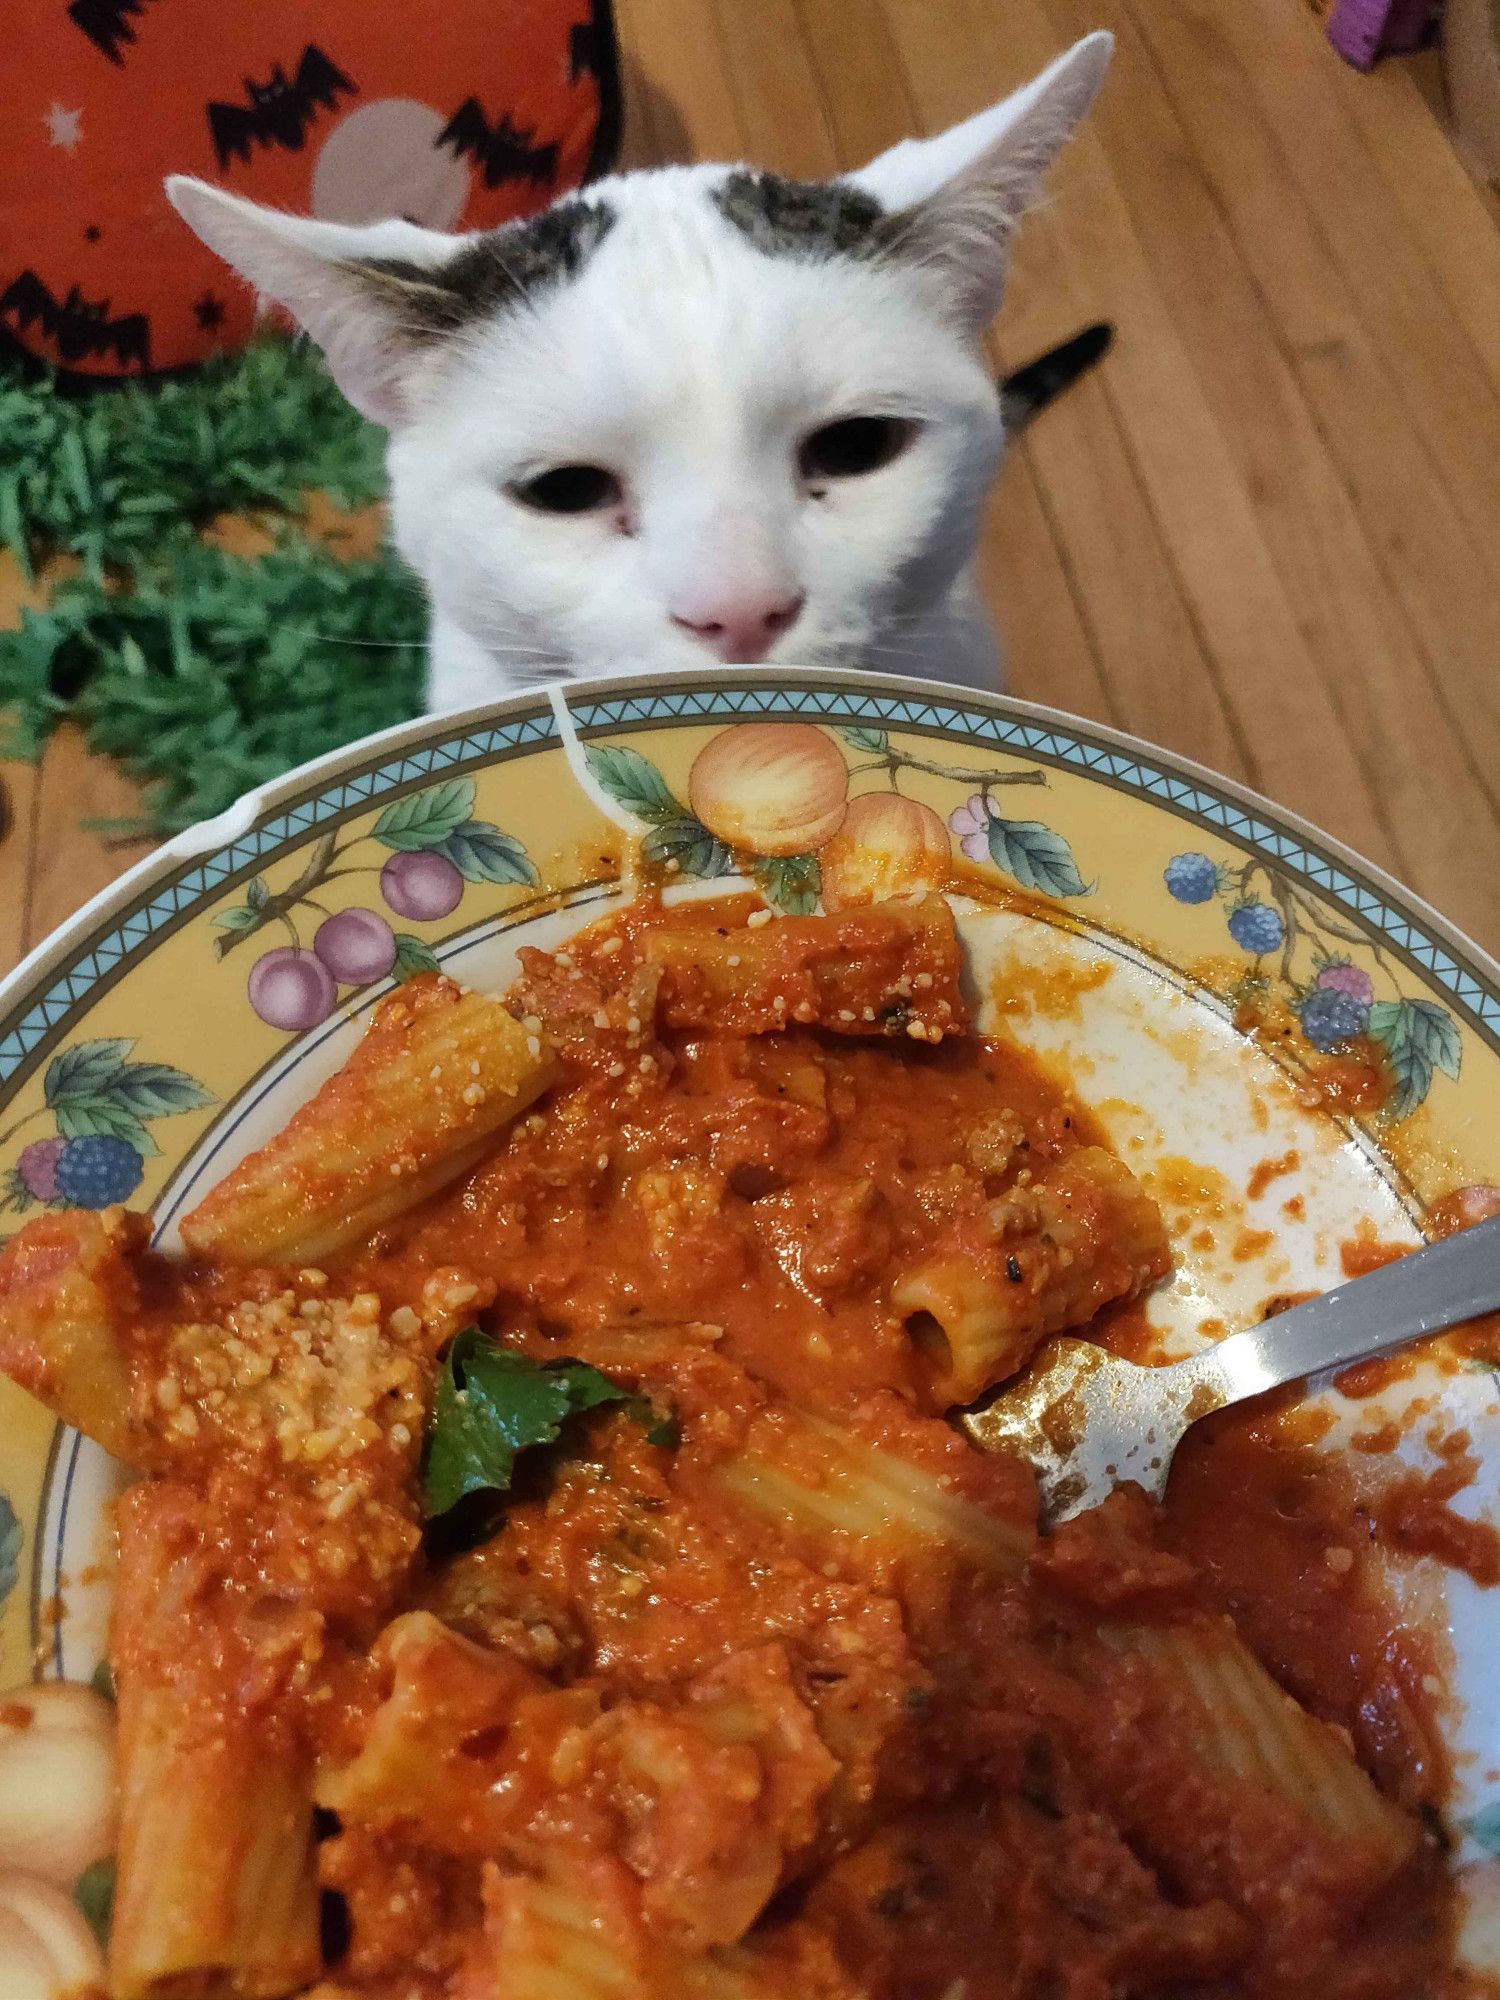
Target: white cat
<point>691,414</point>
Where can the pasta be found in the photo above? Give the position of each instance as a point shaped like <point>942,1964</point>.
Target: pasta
<point>215,1882</point>
<point>67,1292</point>
<point>554,1575</point>
<point>1054,1253</point>
<point>57,1803</point>
<point>1244,1726</point>
<point>439,1073</point>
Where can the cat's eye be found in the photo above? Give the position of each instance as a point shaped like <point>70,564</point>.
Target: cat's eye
<point>569,489</point>
<point>853,445</point>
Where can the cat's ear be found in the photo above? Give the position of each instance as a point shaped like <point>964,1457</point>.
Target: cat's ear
<point>368,294</point>
<point>957,197</point>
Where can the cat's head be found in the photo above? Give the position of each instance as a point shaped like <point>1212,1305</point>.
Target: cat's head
<point>693,413</point>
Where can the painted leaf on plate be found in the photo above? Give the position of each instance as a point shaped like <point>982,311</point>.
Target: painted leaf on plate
<point>1035,856</point>
<point>482,853</point>
<point>412,957</point>
<point>10,1547</point>
<point>82,1069</point>
<point>792,882</point>
<point>689,843</point>
<point>426,819</point>
<point>856,734</point>
<point>631,781</point>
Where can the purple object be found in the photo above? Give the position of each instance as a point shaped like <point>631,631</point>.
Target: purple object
<point>1361,30</point>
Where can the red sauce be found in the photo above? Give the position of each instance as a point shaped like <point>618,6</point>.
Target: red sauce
<point>1328,1629</point>
<point>802,1671</point>
<point>1413,1515</point>
<point>1268,1170</point>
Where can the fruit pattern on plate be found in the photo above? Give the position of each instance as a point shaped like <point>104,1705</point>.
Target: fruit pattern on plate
<point>1333,1001</point>
<point>436,848</point>
<point>101,1106</point>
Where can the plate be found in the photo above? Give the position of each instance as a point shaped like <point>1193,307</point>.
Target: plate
<point>1292,1050</point>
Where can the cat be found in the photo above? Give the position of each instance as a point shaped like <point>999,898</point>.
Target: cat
<point>689,414</point>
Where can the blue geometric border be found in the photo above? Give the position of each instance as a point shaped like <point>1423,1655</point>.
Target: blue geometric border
<point>207,877</point>
<point>720,701</point>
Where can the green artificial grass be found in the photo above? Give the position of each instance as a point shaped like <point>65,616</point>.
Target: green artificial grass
<point>202,673</point>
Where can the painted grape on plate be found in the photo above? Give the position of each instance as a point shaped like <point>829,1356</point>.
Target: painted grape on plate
<point>421,887</point>
<point>356,946</point>
<point>292,988</point>
<point>435,849</point>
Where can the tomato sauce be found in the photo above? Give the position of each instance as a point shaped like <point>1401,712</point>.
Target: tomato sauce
<point>786,1698</point>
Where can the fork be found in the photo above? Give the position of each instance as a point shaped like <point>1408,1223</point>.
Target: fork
<point>1089,1421</point>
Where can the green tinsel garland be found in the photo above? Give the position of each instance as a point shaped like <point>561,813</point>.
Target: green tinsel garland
<point>203,673</point>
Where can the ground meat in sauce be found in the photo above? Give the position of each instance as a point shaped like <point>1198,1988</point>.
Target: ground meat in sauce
<point>803,1665</point>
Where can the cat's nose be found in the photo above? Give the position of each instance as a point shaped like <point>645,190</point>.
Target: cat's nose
<point>742,630</point>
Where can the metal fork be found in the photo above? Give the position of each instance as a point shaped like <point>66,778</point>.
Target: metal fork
<point>1089,1422</point>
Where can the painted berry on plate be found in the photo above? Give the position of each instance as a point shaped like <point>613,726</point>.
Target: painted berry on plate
<point>97,1171</point>
<point>291,988</point>
<point>1256,927</point>
<point>1191,878</point>
<point>356,946</point>
<point>1331,1018</point>
<point>421,886</point>
<point>37,1168</point>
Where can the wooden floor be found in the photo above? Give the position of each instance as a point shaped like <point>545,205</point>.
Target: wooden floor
<point>1267,532</point>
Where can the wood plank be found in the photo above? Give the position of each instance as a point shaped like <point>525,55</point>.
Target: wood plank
<point>17,850</point>
<point>680,56</point>
<point>638,135</point>
<point>1023,574</point>
<point>1333,582</point>
<point>1261,662</point>
<point>1440,379</point>
<point>776,89</point>
<point>1443,208</point>
<point>1050,653</point>
<point>1155,676</point>
<point>1159,676</point>
<point>863,86</point>
<point>653,132</point>
<point>72,860</point>
<point>1427,558</point>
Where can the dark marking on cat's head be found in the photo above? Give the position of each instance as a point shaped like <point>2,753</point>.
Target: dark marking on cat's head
<point>499,271</point>
<point>803,219</point>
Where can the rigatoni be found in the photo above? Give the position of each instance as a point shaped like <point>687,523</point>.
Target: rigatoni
<point>68,1300</point>
<point>216,1892</point>
<point>820,1478</point>
<point>552,1939</point>
<point>1249,1730</point>
<point>889,971</point>
<point>1059,1248</point>
<point>438,1074</point>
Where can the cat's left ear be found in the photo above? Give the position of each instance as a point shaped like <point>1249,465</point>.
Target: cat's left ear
<point>956,199</point>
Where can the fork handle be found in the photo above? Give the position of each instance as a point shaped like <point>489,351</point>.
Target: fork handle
<point>1425,1292</point>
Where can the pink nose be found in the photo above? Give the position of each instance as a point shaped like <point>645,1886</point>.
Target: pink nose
<point>742,630</point>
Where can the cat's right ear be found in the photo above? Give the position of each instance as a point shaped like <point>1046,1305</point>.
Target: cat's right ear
<point>955,199</point>
<point>368,295</point>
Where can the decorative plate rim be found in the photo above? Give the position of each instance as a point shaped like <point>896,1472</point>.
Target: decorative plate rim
<point>569,709</point>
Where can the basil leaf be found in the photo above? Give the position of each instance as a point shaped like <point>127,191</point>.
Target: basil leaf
<point>94,1893</point>
<point>493,1403</point>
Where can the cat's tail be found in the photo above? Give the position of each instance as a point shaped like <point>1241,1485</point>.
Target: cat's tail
<point>1027,391</point>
